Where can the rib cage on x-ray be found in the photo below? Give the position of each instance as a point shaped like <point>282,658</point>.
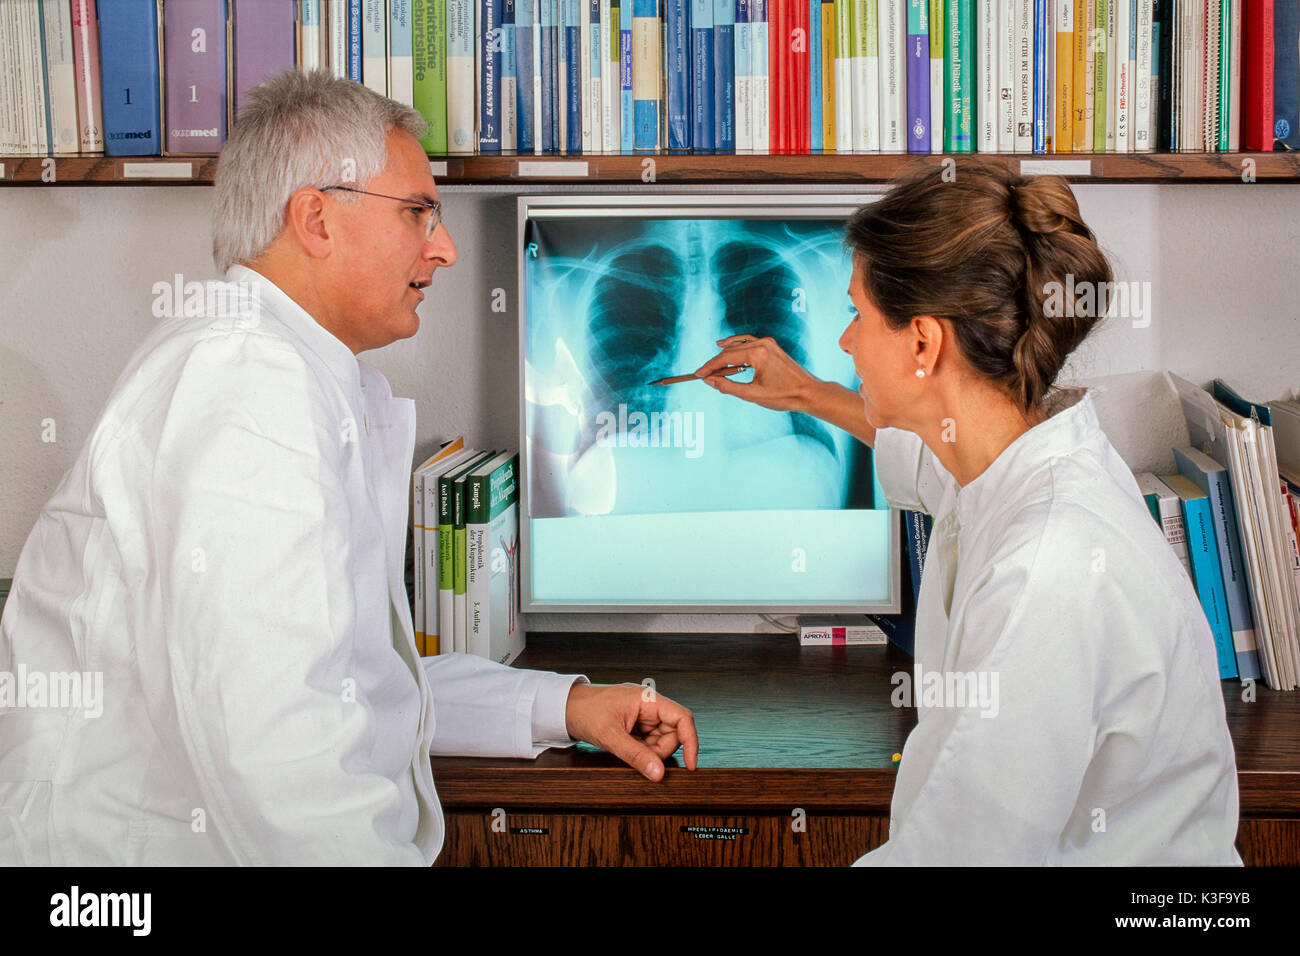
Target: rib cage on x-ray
<point>648,287</point>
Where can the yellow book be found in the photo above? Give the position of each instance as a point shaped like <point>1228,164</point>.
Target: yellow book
<point>1079,106</point>
<point>828,77</point>
<point>1063,141</point>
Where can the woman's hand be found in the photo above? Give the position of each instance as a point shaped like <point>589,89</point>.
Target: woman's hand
<point>780,383</point>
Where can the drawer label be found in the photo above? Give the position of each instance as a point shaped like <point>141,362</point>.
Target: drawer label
<point>530,831</point>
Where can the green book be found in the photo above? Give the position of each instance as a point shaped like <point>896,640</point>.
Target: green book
<point>447,551</point>
<point>1099,84</point>
<point>1225,74</point>
<point>959,82</point>
<point>458,545</point>
<point>492,559</point>
<point>429,53</point>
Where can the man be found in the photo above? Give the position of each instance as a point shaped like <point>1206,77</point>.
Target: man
<point>226,553</point>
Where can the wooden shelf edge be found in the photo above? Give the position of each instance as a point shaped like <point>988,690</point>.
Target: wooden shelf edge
<point>862,169</point>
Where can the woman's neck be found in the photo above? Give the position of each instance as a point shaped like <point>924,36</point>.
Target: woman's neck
<point>974,425</point>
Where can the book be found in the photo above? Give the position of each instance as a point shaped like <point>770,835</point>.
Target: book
<point>724,72</point>
<point>429,71</point>
<point>527,76</point>
<point>194,67</point>
<point>424,541</point>
<point>447,550</point>
<point>492,559</point>
<point>986,78</point>
<point>459,512</point>
<point>129,77</point>
<point>461,81</point>
<point>900,628</point>
<point>509,79</point>
<point>646,75</point>
<point>487,52</point>
<point>698,77</point>
<point>678,73</point>
<point>85,61</point>
<point>1166,507</point>
<point>336,37</point>
<point>1203,554</point>
<point>401,69</point>
<point>891,30</point>
<point>60,77</point>
<point>374,45</point>
<point>1211,477</point>
<point>261,44</point>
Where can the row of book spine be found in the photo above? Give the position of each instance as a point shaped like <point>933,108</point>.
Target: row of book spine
<point>465,553</point>
<point>682,76</point>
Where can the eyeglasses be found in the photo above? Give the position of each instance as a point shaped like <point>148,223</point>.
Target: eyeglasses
<point>435,207</point>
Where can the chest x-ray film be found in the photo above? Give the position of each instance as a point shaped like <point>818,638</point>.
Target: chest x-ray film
<point>649,497</point>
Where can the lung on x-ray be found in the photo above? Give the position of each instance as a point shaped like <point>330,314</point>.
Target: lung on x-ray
<point>614,304</point>
<point>642,496</point>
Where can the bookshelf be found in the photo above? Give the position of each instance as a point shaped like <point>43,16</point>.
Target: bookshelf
<point>1149,168</point>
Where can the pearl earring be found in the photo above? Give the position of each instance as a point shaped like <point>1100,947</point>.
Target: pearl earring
<point>920,373</point>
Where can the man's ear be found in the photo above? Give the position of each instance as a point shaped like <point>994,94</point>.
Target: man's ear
<point>929,336</point>
<point>306,221</point>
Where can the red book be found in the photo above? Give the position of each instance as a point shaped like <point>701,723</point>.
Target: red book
<point>776,91</point>
<point>1257,76</point>
<point>801,62</point>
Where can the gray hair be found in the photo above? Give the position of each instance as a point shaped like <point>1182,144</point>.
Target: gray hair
<point>296,130</point>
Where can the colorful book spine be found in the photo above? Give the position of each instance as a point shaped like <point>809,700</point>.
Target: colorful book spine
<point>646,75</point>
<point>1044,46</point>
<point>194,60</point>
<point>538,74</point>
<point>1024,76</point>
<point>1101,58</point>
<point>829,101</point>
<point>1143,112</point>
<point>586,105</point>
<point>844,75</point>
<point>938,103</point>
<point>548,135</point>
<point>1286,76</point>
<point>609,78</point>
<point>987,78</point>
<point>337,37</point>
<point>690,43</point>
<point>1079,104</point>
<point>509,79</point>
<point>760,81</point>
<point>524,70</point>
<point>309,35</point>
<point>374,46</point>
<point>1007,74</point>
<point>128,64</point>
<point>778,131</point>
<point>85,61</point>
<point>1123,76</point>
<point>355,59</point>
<point>1206,574</point>
<point>1063,98</point>
<point>866,76</point>
<point>401,71</point>
<point>429,63</point>
<point>572,59</point>
<point>891,30</point>
<point>627,109</point>
<point>261,44</point>
<point>488,51</point>
<point>744,80</point>
<point>918,76</point>
<point>492,537</point>
<point>815,97</point>
<point>461,82</point>
<point>447,549</point>
<point>959,119</point>
<point>1257,76</point>
<point>799,79</point>
<point>724,73</point>
<point>60,76</point>
<point>1212,478</point>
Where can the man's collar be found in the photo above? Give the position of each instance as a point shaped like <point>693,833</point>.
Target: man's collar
<point>337,356</point>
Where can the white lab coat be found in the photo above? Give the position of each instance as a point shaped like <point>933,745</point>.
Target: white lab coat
<point>1108,743</point>
<point>227,552</point>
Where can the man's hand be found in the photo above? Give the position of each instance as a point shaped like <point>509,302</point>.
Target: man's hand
<point>633,723</point>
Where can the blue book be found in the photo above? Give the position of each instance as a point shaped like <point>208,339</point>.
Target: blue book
<point>702,78</point>
<point>510,118</point>
<point>548,135</point>
<point>645,55</point>
<point>1213,479</point>
<point>1044,52</point>
<point>724,76</point>
<point>918,76</point>
<point>679,71</point>
<point>1203,551</point>
<point>354,40</point>
<point>625,111</point>
<point>595,89</point>
<point>572,55</point>
<point>128,69</point>
<point>524,69</point>
<point>489,76</point>
<point>901,628</point>
<point>758,76</point>
<point>815,75</point>
<point>1286,75</point>
<point>744,109</point>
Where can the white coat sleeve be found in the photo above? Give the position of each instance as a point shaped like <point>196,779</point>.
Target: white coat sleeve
<point>251,529</point>
<point>996,783</point>
<point>486,709</point>
<point>909,473</point>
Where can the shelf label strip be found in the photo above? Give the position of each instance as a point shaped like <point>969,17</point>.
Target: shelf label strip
<point>2,170</point>
<point>1056,167</point>
<point>157,170</point>
<point>438,169</point>
<point>574,169</point>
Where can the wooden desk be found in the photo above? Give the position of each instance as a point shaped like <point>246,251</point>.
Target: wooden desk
<point>795,763</point>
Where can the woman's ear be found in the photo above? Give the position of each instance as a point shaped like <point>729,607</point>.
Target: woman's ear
<point>928,337</point>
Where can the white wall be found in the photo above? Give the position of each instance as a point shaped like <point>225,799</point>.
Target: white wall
<point>77,266</point>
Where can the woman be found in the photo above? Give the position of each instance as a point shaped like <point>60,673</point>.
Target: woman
<point>1046,579</point>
